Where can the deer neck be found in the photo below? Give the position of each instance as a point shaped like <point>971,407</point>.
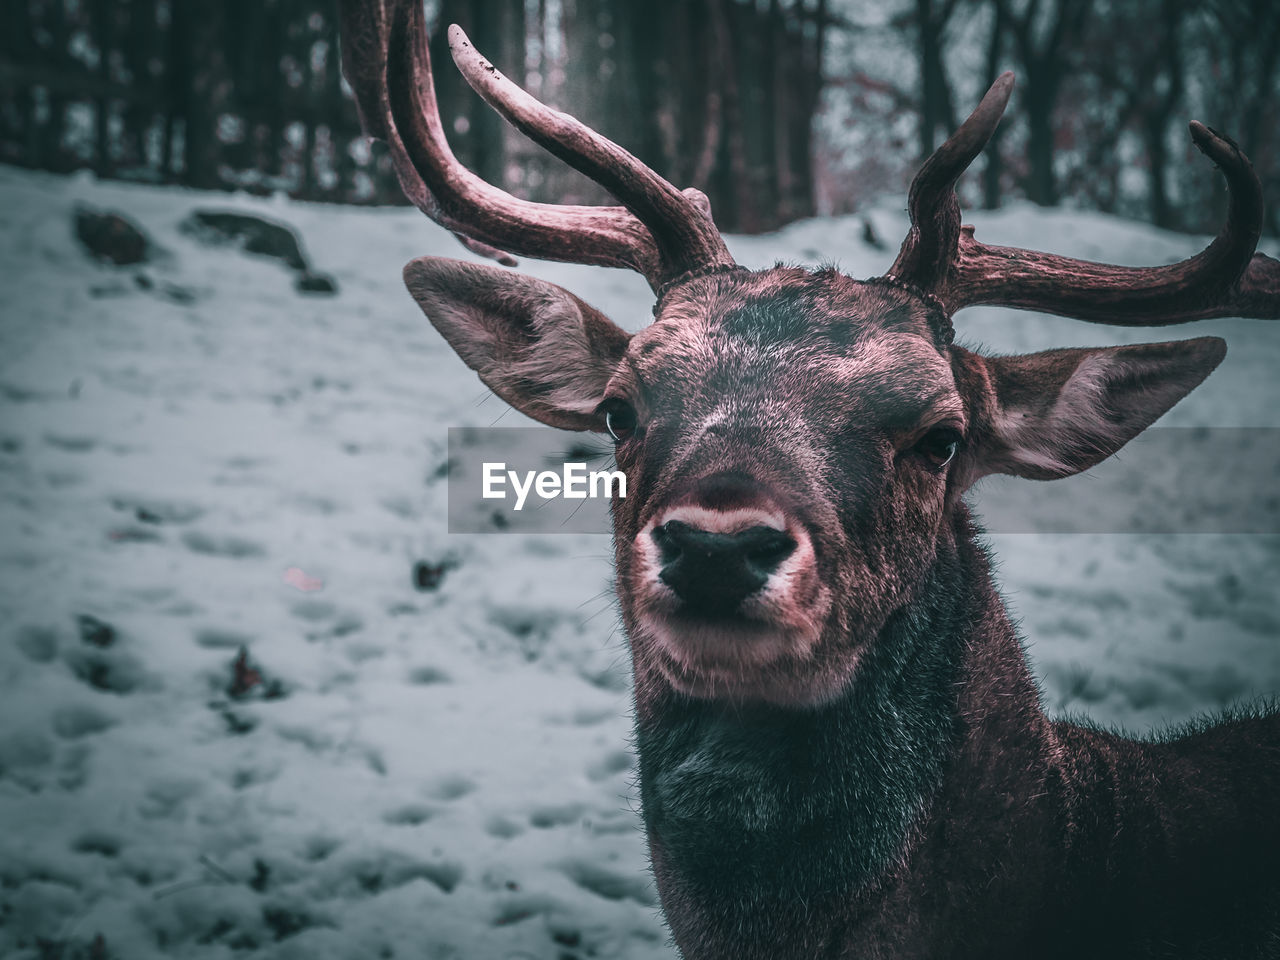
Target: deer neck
<point>762,803</point>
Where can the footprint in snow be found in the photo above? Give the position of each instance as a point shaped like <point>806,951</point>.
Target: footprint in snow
<point>452,788</point>
<point>520,908</point>
<point>313,610</point>
<point>502,828</point>
<point>319,847</point>
<point>611,764</point>
<point>98,843</point>
<point>38,643</point>
<point>428,676</point>
<point>80,720</point>
<point>379,873</point>
<point>330,622</point>
<point>610,884</point>
<point>221,638</point>
<point>343,626</point>
<point>222,546</point>
<point>585,716</point>
<point>24,750</point>
<point>108,671</point>
<point>410,815</point>
<point>70,443</point>
<point>556,815</point>
<point>168,799</point>
<point>242,778</point>
<point>133,534</point>
<point>158,511</point>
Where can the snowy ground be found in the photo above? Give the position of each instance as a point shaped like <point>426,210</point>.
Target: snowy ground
<point>420,773</point>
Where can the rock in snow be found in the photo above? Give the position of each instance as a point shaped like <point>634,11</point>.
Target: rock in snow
<point>110,236</point>
<point>260,236</point>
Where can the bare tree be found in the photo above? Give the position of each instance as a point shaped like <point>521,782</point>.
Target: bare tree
<point>1132,82</point>
<point>1044,37</point>
<point>994,168</point>
<point>930,19</point>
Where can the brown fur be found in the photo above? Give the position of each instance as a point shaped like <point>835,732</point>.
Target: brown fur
<point>857,764</point>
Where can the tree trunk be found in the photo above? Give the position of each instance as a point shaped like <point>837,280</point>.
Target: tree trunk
<point>1041,98</point>
<point>50,150</point>
<point>779,93</point>
<point>936,108</point>
<point>20,44</point>
<point>930,61</point>
<point>135,37</point>
<point>803,201</point>
<point>746,215</point>
<point>198,65</point>
<point>1044,65</point>
<point>101,23</point>
<point>1156,120</point>
<point>991,173</point>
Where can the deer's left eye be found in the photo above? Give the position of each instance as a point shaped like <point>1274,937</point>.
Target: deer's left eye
<point>939,446</point>
<point>619,419</point>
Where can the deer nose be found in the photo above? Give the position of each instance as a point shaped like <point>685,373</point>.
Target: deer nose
<point>714,572</point>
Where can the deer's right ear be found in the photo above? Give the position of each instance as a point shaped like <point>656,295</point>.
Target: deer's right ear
<point>1057,413</point>
<point>534,344</point>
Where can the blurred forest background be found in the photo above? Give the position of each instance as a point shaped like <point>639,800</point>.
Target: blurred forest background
<point>778,109</point>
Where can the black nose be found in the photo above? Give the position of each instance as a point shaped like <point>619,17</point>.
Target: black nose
<point>714,572</point>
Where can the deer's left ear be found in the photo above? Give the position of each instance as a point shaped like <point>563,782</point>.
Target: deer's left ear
<point>534,344</point>
<point>1057,413</point>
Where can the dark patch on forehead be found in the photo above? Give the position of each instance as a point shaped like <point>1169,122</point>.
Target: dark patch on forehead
<point>784,316</point>
<point>789,312</point>
<point>821,308</point>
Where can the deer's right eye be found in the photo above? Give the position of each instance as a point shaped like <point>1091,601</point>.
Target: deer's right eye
<point>939,446</point>
<point>619,419</point>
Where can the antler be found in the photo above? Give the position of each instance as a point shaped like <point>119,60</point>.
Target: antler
<point>940,257</point>
<point>659,231</point>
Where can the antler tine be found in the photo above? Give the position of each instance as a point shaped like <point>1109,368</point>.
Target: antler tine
<point>387,63</point>
<point>365,45</point>
<point>685,236</point>
<point>928,253</point>
<point>942,258</point>
<point>1227,279</point>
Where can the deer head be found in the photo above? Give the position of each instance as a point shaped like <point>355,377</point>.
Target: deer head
<point>795,442</point>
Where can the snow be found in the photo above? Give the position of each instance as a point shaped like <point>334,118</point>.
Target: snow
<point>218,462</point>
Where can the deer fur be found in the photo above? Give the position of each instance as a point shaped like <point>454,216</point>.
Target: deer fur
<point>891,787</point>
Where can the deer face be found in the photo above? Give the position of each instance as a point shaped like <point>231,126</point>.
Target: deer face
<point>793,444</point>
<point>793,437</point>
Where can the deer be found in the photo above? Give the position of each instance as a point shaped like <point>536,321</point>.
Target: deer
<point>842,750</point>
